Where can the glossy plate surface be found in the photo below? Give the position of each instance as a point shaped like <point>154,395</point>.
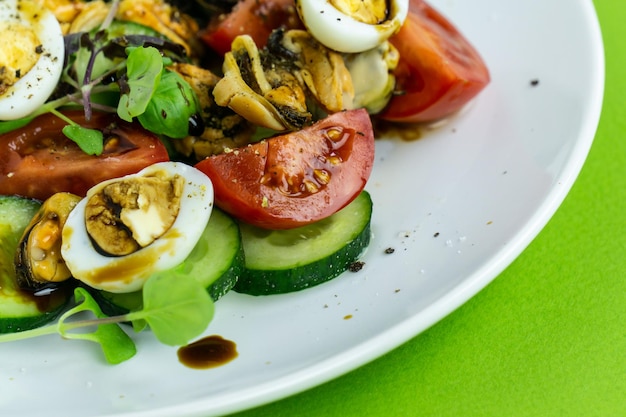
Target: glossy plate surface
<point>457,206</point>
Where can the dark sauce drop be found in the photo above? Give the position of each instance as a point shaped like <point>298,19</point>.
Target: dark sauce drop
<point>208,352</point>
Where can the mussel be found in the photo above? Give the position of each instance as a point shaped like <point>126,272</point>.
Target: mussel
<point>222,128</point>
<point>282,85</point>
<point>38,261</point>
<point>164,18</point>
<point>373,76</point>
<point>272,100</point>
<point>320,69</point>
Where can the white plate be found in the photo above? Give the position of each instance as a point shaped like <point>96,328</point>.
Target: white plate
<point>486,184</point>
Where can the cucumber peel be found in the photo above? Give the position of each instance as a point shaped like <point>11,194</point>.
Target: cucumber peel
<point>282,261</point>
<point>217,262</point>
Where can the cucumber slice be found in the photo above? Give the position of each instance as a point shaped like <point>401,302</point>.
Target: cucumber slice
<point>20,310</point>
<point>217,261</point>
<point>282,261</point>
<point>16,212</point>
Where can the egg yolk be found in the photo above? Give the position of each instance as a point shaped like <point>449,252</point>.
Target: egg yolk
<point>372,12</point>
<point>19,53</point>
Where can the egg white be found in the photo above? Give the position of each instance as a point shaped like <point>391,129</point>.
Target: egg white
<point>129,273</point>
<point>343,33</point>
<point>35,87</point>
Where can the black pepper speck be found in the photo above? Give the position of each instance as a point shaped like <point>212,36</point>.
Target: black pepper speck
<point>356,266</point>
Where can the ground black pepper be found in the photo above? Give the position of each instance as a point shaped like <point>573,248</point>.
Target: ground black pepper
<point>356,266</point>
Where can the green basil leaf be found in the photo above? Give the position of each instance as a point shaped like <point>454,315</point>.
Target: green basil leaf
<point>144,67</point>
<point>172,105</point>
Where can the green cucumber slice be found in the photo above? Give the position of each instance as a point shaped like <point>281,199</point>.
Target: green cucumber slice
<point>16,212</point>
<point>20,310</point>
<point>282,261</point>
<point>217,261</point>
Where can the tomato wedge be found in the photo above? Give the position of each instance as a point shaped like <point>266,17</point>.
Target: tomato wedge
<point>253,17</point>
<point>296,178</point>
<point>439,70</point>
<point>38,160</point>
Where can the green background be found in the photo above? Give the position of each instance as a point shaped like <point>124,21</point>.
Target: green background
<point>548,336</point>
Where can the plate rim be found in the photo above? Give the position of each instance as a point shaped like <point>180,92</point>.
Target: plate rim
<point>401,332</point>
<point>372,349</point>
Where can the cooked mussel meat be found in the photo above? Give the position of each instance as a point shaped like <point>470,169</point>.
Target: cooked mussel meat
<point>222,128</point>
<point>320,69</point>
<point>38,261</point>
<point>275,100</point>
<point>163,18</point>
<point>373,76</point>
<point>159,15</point>
<point>281,86</point>
<point>88,16</point>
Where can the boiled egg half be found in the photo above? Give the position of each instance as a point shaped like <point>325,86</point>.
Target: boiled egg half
<point>128,228</point>
<point>352,26</point>
<point>31,57</point>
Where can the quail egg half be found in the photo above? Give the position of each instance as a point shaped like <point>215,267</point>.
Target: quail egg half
<point>31,57</point>
<point>352,26</point>
<point>128,228</point>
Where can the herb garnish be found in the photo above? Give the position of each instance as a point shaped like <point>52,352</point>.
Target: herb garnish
<point>176,308</point>
<point>132,68</point>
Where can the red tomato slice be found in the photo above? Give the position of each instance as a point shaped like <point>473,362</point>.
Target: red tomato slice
<point>439,70</point>
<point>253,17</point>
<point>38,160</point>
<point>296,178</point>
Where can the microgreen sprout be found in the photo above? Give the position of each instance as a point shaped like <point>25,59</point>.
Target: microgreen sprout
<point>176,308</point>
<point>90,141</point>
<point>131,67</point>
